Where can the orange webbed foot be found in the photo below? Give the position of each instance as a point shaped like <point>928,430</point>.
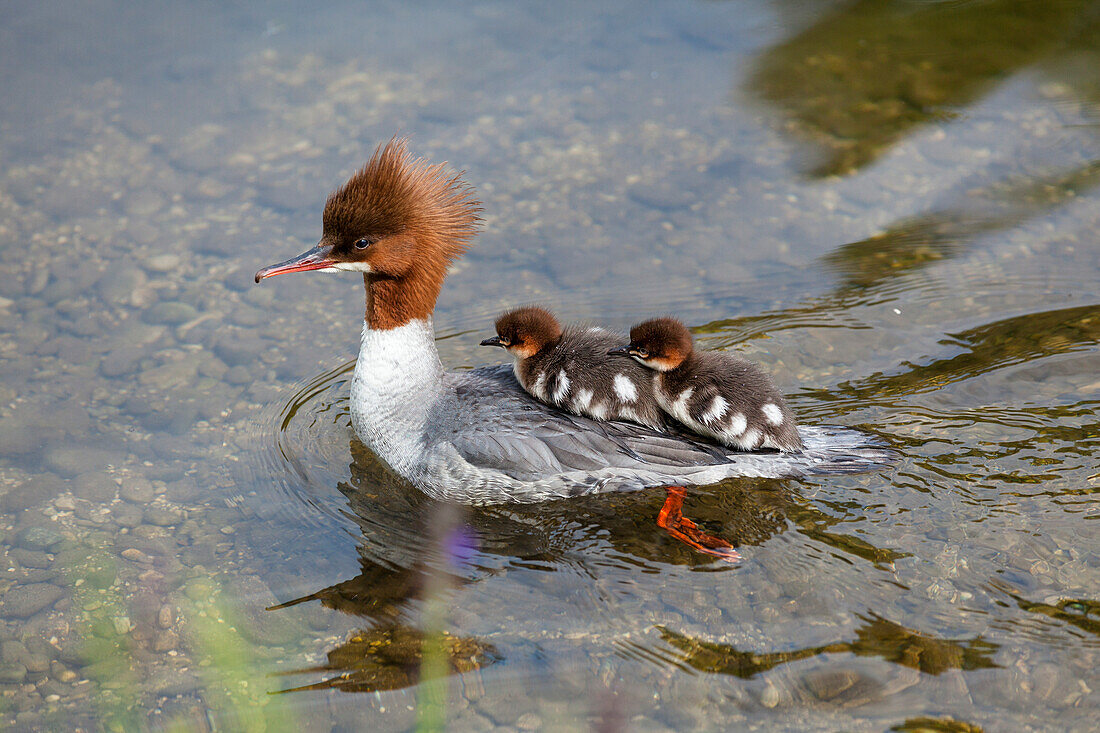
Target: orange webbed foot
<point>672,520</point>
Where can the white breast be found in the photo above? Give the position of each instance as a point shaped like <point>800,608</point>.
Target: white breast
<point>398,377</point>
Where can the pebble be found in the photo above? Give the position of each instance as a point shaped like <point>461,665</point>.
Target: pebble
<point>183,490</point>
<point>769,696</point>
<point>826,684</point>
<point>121,624</point>
<point>12,651</point>
<point>162,516</point>
<point>239,374</point>
<point>167,376</point>
<point>136,489</point>
<point>171,313</point>
<point>143,232</point>
<point>163,262</point>
<point>12,673</point>
<point>239,349</point>
<point>175,683</point>
<point>36,663</point>
<point>166,641</point>
<point>99,571</point>
<point>32,491</point>
<point>69,199</point>
<point>199,590</point>
<point>95,487</point>
<point>31,559</point>
<point>39,538</point>
<point>529,721</point>
<point>117,287</point>
<point>127,515</point>
<point>23,601</point>
<point>165,617</point>
<point>287,193</point>
<point>16,439</point>
<point>121,361</point>
<point>73,460</point>
<point>135,555</point>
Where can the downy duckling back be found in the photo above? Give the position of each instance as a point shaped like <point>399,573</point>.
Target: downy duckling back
<point>711,392</point>
<point>570,369</point>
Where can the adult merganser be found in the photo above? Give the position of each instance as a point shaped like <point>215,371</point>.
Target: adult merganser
<point>570,369</point>
<point>711,392</point>
<point>476,436</point>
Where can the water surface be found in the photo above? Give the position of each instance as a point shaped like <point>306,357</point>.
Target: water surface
<point>892,206</point>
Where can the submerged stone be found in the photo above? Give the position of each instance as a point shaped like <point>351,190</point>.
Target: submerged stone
<point>39,538</point>
<point>23,601</point>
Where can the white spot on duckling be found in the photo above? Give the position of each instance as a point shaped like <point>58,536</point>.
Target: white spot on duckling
<point>772,413</point>
<point>679,408</point>
<point>716,410</point>
<point>750,440</point>
<point>563,386</point>
<point>539,388</point>
<point>583,399</point>
<point>624,388</point>
<point>738,423</point>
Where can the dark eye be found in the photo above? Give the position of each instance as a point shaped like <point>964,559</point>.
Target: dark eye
<point>362,243</point>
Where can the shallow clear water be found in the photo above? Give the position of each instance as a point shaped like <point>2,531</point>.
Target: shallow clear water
<point>890,205</point>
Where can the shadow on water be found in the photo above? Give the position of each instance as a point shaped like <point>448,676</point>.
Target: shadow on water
<point>979,350</point>
<point>1081,614</point>
<point>875,637</point>
<point>913,244</point>
<point>935,725</point>
<point>878,269</point>
<point>391,658</point>
<point>869,72</point>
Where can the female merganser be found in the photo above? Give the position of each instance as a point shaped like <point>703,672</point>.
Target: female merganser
<point>476,436</point>
<point>711,392</point>
<point>569,368</point>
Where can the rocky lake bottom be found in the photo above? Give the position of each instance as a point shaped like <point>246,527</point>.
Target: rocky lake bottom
<point>191,538</point>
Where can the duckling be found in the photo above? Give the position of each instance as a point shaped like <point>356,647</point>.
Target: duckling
<point>712,393</point>
<point>570,369</point>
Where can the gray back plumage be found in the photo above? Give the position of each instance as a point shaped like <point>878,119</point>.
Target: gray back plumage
<point>489,441</point>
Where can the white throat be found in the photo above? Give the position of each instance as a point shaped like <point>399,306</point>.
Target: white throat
<point>398,377</point>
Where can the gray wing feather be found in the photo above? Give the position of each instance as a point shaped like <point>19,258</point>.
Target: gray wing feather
<point>504,429</point>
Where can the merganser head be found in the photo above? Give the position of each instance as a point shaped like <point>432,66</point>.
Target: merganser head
<point>524,332</point>
<point>401,222</point>
<point>661,343</point>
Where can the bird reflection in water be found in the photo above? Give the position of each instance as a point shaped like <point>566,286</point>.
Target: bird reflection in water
<point>416,555</point>
<point>395,654</point>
